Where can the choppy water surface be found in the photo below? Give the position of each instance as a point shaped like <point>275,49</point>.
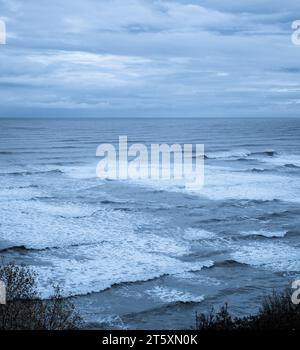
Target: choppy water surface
<point>148,254</point>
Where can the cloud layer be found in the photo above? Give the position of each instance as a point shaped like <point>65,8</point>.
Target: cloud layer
<point>149,58</point>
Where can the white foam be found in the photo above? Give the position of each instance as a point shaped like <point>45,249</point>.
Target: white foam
<point>18,193</point>
<point>98,267</point>
<point>236,153</point>
<point>269,255</point>
<point>193,234</point>
<point>80,172</point>
<point>63,209</point>
<point>168,295</point>
<point>41,225</point>
<point>283,159</point>
<point>223,183</point>
<point>94,251</point>
<point>268,234</point>
<point>227,184</point>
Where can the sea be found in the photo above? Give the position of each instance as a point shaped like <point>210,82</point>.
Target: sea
<point>149,254</point>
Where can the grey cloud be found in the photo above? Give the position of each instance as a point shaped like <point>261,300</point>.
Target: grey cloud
<point>147,57</point>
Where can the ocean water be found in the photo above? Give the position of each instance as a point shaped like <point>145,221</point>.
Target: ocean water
<point>149,254</point>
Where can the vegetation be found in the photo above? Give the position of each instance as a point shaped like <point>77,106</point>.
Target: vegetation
<point>25,310</point>
<point>277,312</point>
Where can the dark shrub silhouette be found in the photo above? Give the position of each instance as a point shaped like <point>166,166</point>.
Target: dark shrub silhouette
<point>25,310</point>
<point>277,312</point>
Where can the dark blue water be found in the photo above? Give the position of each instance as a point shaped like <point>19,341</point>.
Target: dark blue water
<point>148,254</point>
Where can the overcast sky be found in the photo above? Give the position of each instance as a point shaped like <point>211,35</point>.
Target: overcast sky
<point>149,58</point>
